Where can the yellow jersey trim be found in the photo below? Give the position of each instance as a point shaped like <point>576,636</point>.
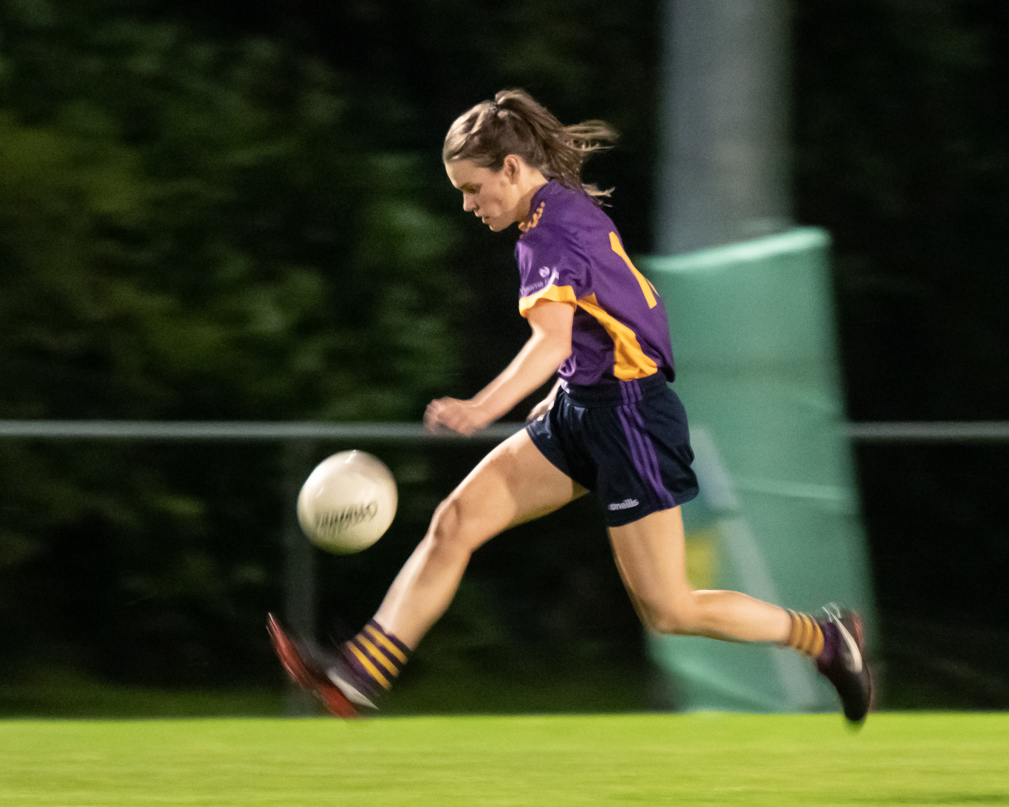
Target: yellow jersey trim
<point>557,294</point>
<point>646,287</point>
<point>533,219</point>
<point>629,360</point>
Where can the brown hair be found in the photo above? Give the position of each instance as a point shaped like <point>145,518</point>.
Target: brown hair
<point>515,123</point>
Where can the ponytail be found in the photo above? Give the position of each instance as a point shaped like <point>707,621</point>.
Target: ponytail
<point>515,123</point>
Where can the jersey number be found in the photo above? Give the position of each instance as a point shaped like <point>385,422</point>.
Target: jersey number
<point>647,288</point>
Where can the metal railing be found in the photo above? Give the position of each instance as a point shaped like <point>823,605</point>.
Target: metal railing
<point>864,432</point>
<point>238,430</point>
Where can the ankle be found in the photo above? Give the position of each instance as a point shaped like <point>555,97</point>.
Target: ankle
<point>375,658</point>
<point>805,634</point>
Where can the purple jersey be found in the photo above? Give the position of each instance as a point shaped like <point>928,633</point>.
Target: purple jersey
<point>569,251</point>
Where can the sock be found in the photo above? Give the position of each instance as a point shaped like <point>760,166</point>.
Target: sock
<point>376,658</point>
<point>806,634</point>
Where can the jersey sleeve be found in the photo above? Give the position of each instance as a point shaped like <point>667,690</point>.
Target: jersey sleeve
<point>550,268</point>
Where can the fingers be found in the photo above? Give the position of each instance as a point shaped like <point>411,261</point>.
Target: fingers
<point>435,415</point>
<point>431,420</point>
<point>462,417</point>
<point>539,411</point>
<point>450,414</point>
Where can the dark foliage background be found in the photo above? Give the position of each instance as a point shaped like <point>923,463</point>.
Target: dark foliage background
<point>236,210</point>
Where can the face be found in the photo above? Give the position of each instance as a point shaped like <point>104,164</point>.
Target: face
<point>496,197</point>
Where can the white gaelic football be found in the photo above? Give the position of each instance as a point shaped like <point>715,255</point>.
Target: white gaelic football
<point>348,502</point>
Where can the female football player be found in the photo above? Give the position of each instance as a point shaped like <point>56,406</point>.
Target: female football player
<point>612,424</point>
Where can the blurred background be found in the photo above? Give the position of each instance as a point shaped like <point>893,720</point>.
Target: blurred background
<point>236,211</point>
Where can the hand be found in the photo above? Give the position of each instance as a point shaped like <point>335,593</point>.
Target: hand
<point>540,410</point>
<point>544,406</point>
<point>463,417</point>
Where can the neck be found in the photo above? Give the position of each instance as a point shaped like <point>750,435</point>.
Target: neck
<point>535,182</point>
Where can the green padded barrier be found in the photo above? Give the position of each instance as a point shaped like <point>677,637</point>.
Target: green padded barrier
<point>754,340</point>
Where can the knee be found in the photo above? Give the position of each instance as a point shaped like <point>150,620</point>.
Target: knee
<point>450,530</point>
<point>669,622</point>
<point>677,618</point>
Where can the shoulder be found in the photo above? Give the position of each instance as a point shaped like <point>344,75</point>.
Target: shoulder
<point>559,212</point>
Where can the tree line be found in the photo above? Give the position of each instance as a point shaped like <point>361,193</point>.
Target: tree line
<point>237,211</point>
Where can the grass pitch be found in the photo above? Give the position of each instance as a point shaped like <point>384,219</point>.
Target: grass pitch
<point>716,759</point>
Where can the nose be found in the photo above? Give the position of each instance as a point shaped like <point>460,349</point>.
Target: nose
<point>468,203</point>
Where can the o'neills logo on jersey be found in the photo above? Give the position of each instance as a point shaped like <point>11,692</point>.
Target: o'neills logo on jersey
<point>339,520</point>
<point>549,277</point>
<point>626,504</point>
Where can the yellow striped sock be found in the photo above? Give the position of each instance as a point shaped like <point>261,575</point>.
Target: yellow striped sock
<point>376,656</point>
<point>805,634</point>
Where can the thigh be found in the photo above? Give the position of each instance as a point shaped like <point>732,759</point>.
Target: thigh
<point>643,455</point>
<point>513,484</point>
<point>651,556</point>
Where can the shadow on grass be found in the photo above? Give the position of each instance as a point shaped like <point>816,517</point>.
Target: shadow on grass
<point>72,696</point>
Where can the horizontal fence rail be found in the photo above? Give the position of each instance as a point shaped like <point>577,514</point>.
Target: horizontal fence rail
<point>930,432</point>
<point>864,432</point>
<point>238,430</point>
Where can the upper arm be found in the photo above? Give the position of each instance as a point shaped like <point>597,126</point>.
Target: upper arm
<point>552,320</point>
<point>552,267</point>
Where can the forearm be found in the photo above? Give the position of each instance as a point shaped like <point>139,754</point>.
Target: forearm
<point>528,371</point>
<point>549,345</point>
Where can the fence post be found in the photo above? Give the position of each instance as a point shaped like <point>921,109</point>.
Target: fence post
<point>299,564</point>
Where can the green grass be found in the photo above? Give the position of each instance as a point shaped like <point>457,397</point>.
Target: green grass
<point>717,759</point>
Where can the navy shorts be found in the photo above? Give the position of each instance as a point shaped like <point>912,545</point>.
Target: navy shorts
<point>628,442</point>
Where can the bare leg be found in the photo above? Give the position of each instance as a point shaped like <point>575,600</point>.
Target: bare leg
<point>513,484</point>
<point>651,557</point>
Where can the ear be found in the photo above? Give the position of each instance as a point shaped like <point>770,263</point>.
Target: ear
<point>513,165</point>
